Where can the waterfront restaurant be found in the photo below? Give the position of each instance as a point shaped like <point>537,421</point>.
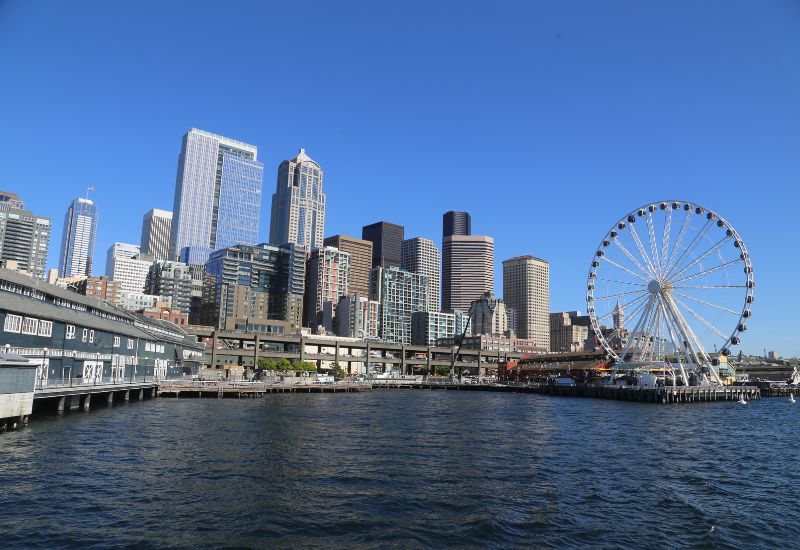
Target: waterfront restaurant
<point>75,339</point>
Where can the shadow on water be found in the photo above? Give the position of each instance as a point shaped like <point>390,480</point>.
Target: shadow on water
<point>403,468</point>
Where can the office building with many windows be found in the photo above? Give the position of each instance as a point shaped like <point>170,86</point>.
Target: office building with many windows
<point>24,237</point>
<point>456,223</point>
<point>428,327</point>
<point>526,288</point>
<point>400,294</point>
<point>420,255</point>
<point>156,229</point>
<point>298,204</point>
<point>172,280</point>
<point>467,270</point>
<point>327,280</point>
<point>357,317</point>
<point>217,195</point>
<point>360,261</point>
<point>77,241</point>
<point>387,243</point>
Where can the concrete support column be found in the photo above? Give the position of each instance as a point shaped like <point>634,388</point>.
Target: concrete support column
<point>153,393</point>
<point>62,401</point>
<point>366,361</point>
<point>255,351</point>
<point>428,360</point>
<point>141,394</point>
<point>481,370</point>
<point>127,395</point>
<point>87,399</point>
<point>214,349</point>
<point>302,349</point>
<point>402,358</point>
<point>336,359</point>
<point>110,400</point>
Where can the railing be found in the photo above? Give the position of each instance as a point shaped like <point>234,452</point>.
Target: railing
<point>51,383</point>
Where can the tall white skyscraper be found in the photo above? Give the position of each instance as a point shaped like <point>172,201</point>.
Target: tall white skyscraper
<point>420,255</point>
<point>156,229</point>
<point>217,195</point>
<point>467,270</point>
<point>298,204</point>
<point>526,289</point>
<point>77,241</point>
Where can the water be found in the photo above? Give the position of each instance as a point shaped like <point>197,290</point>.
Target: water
<point>404,468</point>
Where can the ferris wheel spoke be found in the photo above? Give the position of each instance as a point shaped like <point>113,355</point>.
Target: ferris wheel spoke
<point>623,306</point>
<point>653,248</point>
<point>642,251</point>
<point>737,313</point>
<point>631,257</point>
<point>623,268</point>
<point>697,238</point>
<point>619,282</point>
<point>611,296</point>
<point>665,239</point>
<point>702,319</point>
<point>678,349</point>
<point>646,337</point>
<point>710,286</point>
<point>703,256</point>
<point>681,234</point>
<point>707,271</point>
<point>637,329</point>
<point>693,343</point>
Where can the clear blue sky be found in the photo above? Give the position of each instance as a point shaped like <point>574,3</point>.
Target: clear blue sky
<point>546,120</point>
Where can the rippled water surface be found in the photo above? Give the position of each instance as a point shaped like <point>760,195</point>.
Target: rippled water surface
<point>404,468</point>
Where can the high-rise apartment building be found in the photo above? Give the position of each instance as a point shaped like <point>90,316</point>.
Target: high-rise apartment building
<point>360,261</point>
<point>357,317</point>
<point>526,288</point>
<point>119,250</point>
<point>298,204</point>
<point>24,237</point>
<point>427,327</point>
<point>252,285</point>
<point>400,294</point>
<point>456,223</point>
<point>156,230</point>
<point>387,243</point>
<point>77,241</point>
<point>327,280</point>
<point>217,194</point>
<point>420,255</point>
<point>467,270</point>
<point>131,273</point>
<point>171,280</point>
<point>489,315</point>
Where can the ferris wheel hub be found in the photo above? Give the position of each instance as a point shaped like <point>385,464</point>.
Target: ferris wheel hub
<point>654,286</point>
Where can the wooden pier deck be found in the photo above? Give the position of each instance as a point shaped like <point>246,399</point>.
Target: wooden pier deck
<point>240,390</point>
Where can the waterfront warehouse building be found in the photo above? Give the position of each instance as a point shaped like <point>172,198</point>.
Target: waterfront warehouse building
<point>24,237</point>
<point>428,327</point>
<point>420,255</point>
<point>400,294</point>
<point>77,240</point>
<point>467,270</point>
<point>298,204</point>
<point>156,229</point>
<point>360,261</point>
<point>79,340</point>
<point>456,223</point>
<point>217,195</point>
<point>526,289</point>
<point>387,243</point>
<point>327,280</point>
<point>254,285</point>
<point>172,281</point>
<point>357,317</point>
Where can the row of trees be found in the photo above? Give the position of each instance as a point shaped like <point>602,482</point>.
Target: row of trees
<point>286,365</point>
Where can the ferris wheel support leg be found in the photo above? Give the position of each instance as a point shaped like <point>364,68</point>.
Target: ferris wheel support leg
<point>637,330</point>
<point>675,345</point>
<point>699,355</point>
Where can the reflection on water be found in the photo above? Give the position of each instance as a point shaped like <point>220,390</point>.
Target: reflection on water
<point>408,467</point>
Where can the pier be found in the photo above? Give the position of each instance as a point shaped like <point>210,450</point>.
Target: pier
<point>222,390</point>
<point>66,395</point>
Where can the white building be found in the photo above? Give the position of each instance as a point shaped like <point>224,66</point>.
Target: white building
<point>526,288</point>
<point>357,317</point>
<point>130,273</point>
<point>427,327</point>
<point>420,255</point>
<point>489,315</point>
<point>119,250</point>
<point>327,280</point>
<point>156,228</point>
<point>400,294</point>
<point>135,301</point>
<point>298,204</point>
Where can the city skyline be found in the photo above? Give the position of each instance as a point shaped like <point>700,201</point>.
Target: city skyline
<point>592,154</point>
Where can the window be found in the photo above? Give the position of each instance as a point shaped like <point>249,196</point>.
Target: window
<point>30,326</point>
<point>45,328</point>
<point>84,335</point>
<point>116,341</point>
<point>91,337</point>
<point>70,332</point>
<point>130,343</point>
<point>13,323</point>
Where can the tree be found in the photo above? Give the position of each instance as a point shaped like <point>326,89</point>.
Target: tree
<point>284,364</point>
<point>266,364</point>
<point>338,372</point>
<point>305,366</point>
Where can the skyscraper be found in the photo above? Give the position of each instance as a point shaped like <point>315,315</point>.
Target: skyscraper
<point>357,317</point>
<point>420,255</point>
<point>467,270</point>
<point>400,294</point>
<point>77,241</point>
<point>456,223</point>
<point>387,243</point>
<point>156,229</point>
<point>489,315</point>
<point>171,280</point>
<point>298,204</point>
<point>24,237</point>
<point>360,261</point>
<point>217,194</point>
<point>119,250</point>
<point>327,280</point>
<point>526,288</point>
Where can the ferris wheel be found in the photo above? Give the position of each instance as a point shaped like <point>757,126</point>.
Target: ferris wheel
<point>669,281</point>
